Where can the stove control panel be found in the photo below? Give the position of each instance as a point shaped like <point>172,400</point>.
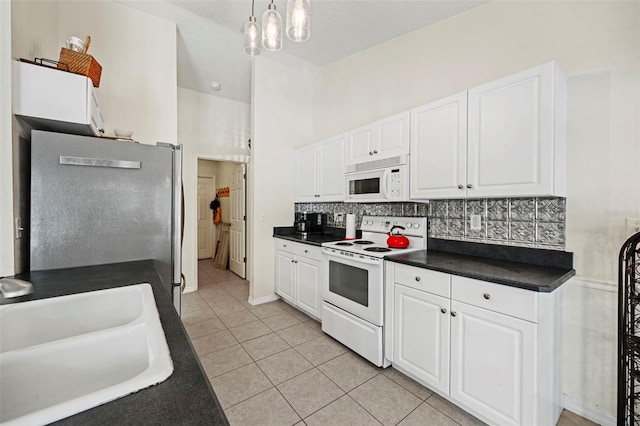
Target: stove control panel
<point>413,226</point>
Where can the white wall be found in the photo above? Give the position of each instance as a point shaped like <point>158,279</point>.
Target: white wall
<point>282,112</point>
<point>598,45</point>
<point>138,88</point>
<point>6,151</point>
<point>209,127</point>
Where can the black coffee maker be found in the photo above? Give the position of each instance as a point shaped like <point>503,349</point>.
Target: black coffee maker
<point>310,223</point>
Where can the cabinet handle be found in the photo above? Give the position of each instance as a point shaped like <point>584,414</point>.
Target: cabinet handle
<point>454,313</point>
<point>306,251</point>
<point>370,153</point>
<point>460,186</point>
<point>375,152</point>
<point>101,131</point>
<point>284,245</point>
<point>443,310</point>
<point>469,186</point>
<point>486,296</point>
<point>417,278</point>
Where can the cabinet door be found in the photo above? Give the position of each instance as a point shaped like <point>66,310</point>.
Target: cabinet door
<point>331,169</point>
<point>439,149</point>
<point>360,145</point>
<point>285,275</point>
<point>493,364</point>
<point>391,137</point>
<point>307,174</point>
<point>308,286</point>
<point>421,336</point>
<point>511,135</point>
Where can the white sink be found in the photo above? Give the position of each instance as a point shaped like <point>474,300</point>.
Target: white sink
<point>64,355</point>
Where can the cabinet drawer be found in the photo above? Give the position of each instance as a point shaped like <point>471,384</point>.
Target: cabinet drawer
<point>285,245</point>
<point>512,301</point>
<point>306,250</point>
<point>434,282</point>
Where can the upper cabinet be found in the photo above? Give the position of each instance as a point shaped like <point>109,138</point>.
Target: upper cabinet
<point>50,99</point>
<point>320,171</point>
<point>506,139</point>
<point>383,139</point>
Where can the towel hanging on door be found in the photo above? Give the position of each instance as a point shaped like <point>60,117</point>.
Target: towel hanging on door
<point>217,210</point>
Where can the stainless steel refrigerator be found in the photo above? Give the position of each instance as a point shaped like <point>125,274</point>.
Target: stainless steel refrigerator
<point>98,201</point>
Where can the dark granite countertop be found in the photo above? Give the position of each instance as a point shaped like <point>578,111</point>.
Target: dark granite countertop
<point>185,398</point>
<point>288,233</point>
<point>528,276</point>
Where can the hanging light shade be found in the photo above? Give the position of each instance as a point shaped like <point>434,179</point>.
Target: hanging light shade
<point>298,20</point>
<point>251,35</point>
<point>271,28</point>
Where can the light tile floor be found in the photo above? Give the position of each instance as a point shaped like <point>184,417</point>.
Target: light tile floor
<point>271,365</point>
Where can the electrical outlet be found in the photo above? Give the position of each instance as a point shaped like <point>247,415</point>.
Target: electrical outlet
<point>262,217</point>
<point>338,217</point>
<point>475,222</point>
<point>633,226</point>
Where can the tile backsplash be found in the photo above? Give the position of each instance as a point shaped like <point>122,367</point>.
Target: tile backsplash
<point>524,222</point>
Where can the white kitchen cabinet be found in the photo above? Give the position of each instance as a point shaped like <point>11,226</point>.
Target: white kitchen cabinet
<point>500,359</point>
<point>381,140</point>
<point>50,99</point>
<point>320,171</point>
<point>298,275</point>
<point>493,359</point>
<point>421,336</point>
<point>506,138</point>
<point>439,149</point>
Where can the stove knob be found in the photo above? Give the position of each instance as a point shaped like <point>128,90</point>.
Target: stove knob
<point>417,225</point>
<point>409,225</point>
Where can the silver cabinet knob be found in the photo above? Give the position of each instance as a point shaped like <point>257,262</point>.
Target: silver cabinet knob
<point>284,245</point>
<point>486,296</point>
<point>443,310</point>
<point>370,153</point>
<point>417,278</point>
<point>460,186</point>
<point>453,313</point>
<point>469,186</point>
<point>375,152</point>
<point>306,251</point>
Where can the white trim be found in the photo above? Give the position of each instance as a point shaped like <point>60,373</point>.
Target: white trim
<point>588,412</point>
<point>263,299</point>
<point>594,284</point>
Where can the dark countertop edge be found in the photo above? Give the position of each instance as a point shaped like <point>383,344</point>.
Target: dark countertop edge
<point>542,288</point>
<point>185,397</point>
<point>330,235</point>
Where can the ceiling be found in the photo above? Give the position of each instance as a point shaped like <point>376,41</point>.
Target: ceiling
<point>210,46</point>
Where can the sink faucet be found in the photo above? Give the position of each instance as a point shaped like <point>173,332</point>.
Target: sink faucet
<point>13,287</point>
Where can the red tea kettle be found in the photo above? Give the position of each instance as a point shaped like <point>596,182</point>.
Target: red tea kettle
<point>397,240</point>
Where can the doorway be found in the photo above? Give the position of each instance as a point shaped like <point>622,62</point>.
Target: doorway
<point>227,240</point>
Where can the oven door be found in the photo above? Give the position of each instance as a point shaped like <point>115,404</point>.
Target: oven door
<point>354,284</point>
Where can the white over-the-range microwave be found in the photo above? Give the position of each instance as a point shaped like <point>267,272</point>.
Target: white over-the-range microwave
<point>378,181</point>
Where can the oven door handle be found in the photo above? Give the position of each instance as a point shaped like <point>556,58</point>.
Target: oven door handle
<point>338,257</point>
<point>385,183</point>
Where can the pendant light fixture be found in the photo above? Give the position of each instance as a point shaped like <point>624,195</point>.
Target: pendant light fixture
<point>298,20</point>
<point>251,35</point>
<point>271,28</point>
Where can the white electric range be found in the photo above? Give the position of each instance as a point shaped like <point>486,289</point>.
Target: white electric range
<point>353,283</point>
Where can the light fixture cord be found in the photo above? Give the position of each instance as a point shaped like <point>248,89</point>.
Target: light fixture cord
<point>253,2</point>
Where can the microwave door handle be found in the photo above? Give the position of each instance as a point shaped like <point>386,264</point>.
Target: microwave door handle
<point>385,183</point>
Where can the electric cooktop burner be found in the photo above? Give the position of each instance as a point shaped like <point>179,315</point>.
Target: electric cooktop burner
<point>377,249</point>
<point>363,242</point>
<point>344,244</point>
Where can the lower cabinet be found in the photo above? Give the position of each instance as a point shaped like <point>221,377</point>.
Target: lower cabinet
<point>493,350</point>
<point>298,275</point>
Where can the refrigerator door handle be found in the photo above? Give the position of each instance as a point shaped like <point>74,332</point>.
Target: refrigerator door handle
<point>177,215</point>
<point>98,162</point>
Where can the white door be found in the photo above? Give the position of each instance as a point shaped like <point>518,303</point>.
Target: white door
<point>285,274</point>
<point>511,135</point>
<point>237,259</point>
<point>205,217</point>
<point>392,136</point>
<point>360,145</point>
<point>493,364</point>
<point>331,169</point>
<point>308,290</point>
<point>439,149</point>
<point>307,174</point>
<point>421,336</point>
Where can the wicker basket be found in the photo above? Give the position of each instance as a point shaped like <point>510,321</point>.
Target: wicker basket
<point>81,63</point>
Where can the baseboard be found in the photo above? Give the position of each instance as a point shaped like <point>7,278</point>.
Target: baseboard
<point>263,299</point>
<point>588,412</point>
